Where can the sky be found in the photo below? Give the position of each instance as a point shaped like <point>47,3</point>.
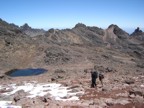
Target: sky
<point>127,14</point>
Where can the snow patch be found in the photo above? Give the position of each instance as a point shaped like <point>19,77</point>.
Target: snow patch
<point>7,104</point>
<point>142,85</point>
<point>57,91</point>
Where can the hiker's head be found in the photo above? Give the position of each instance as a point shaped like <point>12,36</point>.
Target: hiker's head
<point>96,68</point>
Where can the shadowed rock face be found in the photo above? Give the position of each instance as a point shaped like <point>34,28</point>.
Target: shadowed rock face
<point>138,34</point>
<point>25,27</point>
<point>85,35</point>
<point>119,32</point>
<point>80,25</point>
<point>8,29</point>
<point>31,31</point>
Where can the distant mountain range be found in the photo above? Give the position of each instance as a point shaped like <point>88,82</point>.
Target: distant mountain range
<point>69,55</point>
<point>4,26</point>
<point>16,42</point>
<point>80,34</point>
<point>35,32</point>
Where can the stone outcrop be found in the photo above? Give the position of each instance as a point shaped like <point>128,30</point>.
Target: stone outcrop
<point>121,34</point>
<point>138,34</point>
<point>31,31</point>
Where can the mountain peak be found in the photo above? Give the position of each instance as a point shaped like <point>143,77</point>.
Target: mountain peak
<point>118,31</point>
<point>137,31</point>
<point>80,25</point>
<point>138,34</point>
<point>31,31</point>
<point>113,26</point>
<point>1,19</point>
<point>25,27</point>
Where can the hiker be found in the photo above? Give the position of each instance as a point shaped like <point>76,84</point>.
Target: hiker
<point>94,75</point>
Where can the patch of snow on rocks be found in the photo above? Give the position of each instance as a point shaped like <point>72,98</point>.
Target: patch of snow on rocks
<point>57,91</point>
<point>142,85</point>
<point>7,104</point>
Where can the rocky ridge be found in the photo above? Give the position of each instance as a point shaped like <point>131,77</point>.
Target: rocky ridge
<point>31,31</point>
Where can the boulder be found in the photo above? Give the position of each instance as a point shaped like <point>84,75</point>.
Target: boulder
<point>136,91</point>
<point>129,81</point>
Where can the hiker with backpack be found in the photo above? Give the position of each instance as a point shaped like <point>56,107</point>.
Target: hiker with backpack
<point>94,75</point>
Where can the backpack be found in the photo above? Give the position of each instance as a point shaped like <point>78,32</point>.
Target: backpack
<point>95,74</point>
<point>101,76</point>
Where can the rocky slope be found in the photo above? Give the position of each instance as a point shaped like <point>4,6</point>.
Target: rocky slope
<point>6,28</point>
<point>14,45</point>
<point>68,55</point>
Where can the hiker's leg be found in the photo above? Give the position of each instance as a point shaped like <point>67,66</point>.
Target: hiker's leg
<point>93,83</point>
<point>101,80</point>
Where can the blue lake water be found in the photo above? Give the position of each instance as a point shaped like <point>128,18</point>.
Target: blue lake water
<point>26,72</point>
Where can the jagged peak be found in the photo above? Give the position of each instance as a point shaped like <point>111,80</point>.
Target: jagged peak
<point>1,19</point>
<point>113,25</point>
<point>138,30</point>
<point>51,30</point>
<point>118,31</point>
<point>80,25</point>
<point>116,28</point>
<point>3,22</point>
<point>8,26</point>
<point>25,26</point>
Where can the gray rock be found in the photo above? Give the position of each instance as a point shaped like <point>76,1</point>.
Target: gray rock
<point>53,79</point>
<point>105,88</point>
<point>129,81</point>
<point>110,101</point>
<point>16,98</point>
<point>140,65</point>
<point>137,91</point>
